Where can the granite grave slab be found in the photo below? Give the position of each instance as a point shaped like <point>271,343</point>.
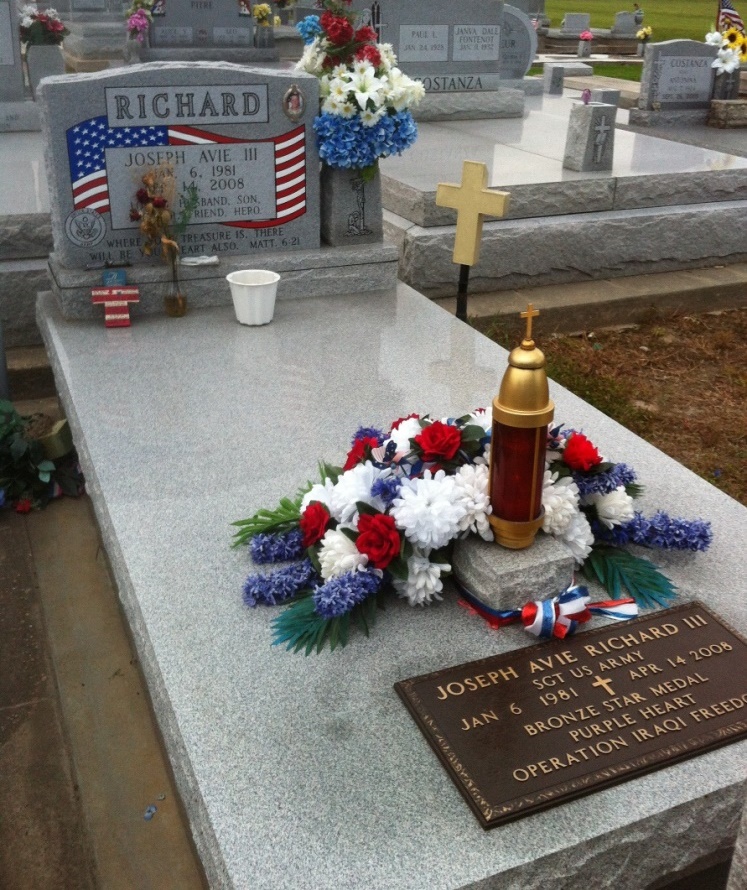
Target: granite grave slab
<point>250,729</point>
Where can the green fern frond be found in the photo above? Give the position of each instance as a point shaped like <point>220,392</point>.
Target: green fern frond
<point>622,574</point>
<point>283,518</point>
<point>300,628</point>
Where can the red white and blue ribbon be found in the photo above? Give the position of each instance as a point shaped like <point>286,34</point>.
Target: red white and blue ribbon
<point>556,617</point>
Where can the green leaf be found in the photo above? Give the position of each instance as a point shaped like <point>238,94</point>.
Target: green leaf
<point>299,627</point>
<point>397,568</point>
<point>283,518</point>
<point>18,447</point>
<point>350,533</point>
<point>619,571</point>
<point>366,509</point>
<point>46,466</point>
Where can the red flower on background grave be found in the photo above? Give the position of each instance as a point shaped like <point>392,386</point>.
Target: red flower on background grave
<point>580,453</point>
<point>357,453</point>
<point>313,523</point>
<point>439,441</point>
<point>378,539</point>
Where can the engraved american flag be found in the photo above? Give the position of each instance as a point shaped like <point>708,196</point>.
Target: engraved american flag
<point>88,140</point>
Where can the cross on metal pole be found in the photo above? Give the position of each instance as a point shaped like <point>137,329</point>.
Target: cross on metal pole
<point>473,201</point>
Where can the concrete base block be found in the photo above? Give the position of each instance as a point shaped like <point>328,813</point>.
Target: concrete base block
<point>506,579</point>
<point>331,270</point>
<point>470,106</point>
<point>25,235</point>
<point>20,281</point>
<point>728,113</point>
<point>590,141</point>
<point>640,117</point>
<point>19,117</point>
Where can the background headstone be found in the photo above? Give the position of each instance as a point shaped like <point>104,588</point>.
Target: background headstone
<point>624,25</point>
<point>450,48</point>
<point>591,138</point>
<point>518,43</point>
<point>677,75</point>
<point>608,97</point>
<point>553,79</point>
<point>227,129</point>
<point>576,22</point>
<point>11,73</point>
<point>200,23</point>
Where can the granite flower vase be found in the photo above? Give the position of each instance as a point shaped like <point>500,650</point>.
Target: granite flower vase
<point>350,207</point>
<point>584,49</point>
<point>43,61</point>
<point>264,37</point>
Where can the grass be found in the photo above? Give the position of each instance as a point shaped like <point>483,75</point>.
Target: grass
<point>678,381</point>
<point>670,21</point>
<point>623,70</point>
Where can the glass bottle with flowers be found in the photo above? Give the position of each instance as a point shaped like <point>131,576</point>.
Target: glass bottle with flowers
<point>160,227</point>
<point>263,20</point>
<point>365,101</point>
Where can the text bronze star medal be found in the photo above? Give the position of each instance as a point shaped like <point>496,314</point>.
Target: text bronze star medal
<point>535,727</point>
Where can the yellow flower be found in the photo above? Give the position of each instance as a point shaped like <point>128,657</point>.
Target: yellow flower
<point>733,37</point>
<point>262,13</point>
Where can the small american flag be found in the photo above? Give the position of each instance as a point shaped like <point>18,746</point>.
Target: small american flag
<point>87,143</point>
<point>728,17</point>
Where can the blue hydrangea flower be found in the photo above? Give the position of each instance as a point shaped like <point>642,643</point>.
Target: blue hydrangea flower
<point>348,144</point>
<point>309,28</point>
<point>278,586</point>
<point>277,548</point>
<point>341,594</point>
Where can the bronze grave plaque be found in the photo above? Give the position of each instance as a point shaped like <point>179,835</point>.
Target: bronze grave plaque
<point>538,726</point>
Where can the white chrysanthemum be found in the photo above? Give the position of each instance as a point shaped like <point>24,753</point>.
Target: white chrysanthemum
<point>353,486</point>
<point>27,21</point>
<point>388,58</point>
<point>320,491</point>
<point>426,511</point>
<point>338,554</point>
<point>312,58</point>
<point>407,430</point>
<point>483,418</point>
<point>714,38</point>
<point>612,508</point>
<point>471,491</point>
<point>560,500</point>
<point>424,582</point>
<point>727,61</point>
<point>578,536</point>
<point>371,118</point>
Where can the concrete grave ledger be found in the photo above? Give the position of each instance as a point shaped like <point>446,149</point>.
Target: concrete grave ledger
<point>241,136</point>
<point>308,772</point>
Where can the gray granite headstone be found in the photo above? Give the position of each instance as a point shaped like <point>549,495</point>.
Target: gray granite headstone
<point>608,97</point>
<point>591,137</point>
<point>450,48</point>
<point>576,22</point>
<point>677,74</point>
<point>518,43</point>
<point>243,136</point>
<point>624,25</point>
<point>201,23</point>
<point>553,79</point>
<point>11,74</point>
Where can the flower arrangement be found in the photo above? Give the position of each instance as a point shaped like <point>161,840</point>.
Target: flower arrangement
<point>139,17</point>
<point>159,226</point>
<point>387,519</point>
<point>732,51</point>
<point>262,13</point>
<point>586,35</point>
<point>365,96</point>
<point>41,28</point>
<point>644,35</point>
<point>28,478</point>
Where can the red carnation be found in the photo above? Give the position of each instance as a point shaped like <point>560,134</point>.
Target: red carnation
<point>366,34</point>
<point>370,54</point>
<point>439,441</point>
<point>23,505</point>
<point>378,539</point>
<point>580,454</point>
<point>313,523</point>
<point>401,420</point>
<point>159,203</point>
<point>357,453</point>
<point>338,29</point>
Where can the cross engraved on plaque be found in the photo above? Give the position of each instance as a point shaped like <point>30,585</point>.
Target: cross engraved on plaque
<point>606,684</point>
<point>601,129</point>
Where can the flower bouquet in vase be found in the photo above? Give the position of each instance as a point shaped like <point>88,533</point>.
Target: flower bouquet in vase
<point>264,36</point>
<point>732,51</point>
<point>584,44</point>
<point>365,115</point>
<point>42,34</point>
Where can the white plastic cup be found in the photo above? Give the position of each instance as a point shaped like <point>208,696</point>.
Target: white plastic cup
<point>253,292</point>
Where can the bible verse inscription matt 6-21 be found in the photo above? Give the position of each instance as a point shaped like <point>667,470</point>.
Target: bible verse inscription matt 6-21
<point>528,729</point>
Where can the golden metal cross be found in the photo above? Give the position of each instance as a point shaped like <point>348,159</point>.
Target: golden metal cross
<point>472,200</point>
<point>607,684</point>
<point>529,315</point>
